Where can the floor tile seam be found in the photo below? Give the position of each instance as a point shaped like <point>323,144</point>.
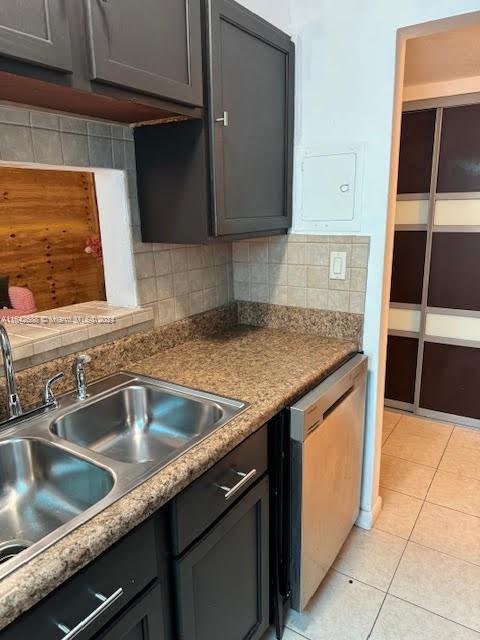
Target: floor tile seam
<point>418,606</point>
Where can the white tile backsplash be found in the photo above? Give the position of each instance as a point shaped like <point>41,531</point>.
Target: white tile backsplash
<point>294,270</point>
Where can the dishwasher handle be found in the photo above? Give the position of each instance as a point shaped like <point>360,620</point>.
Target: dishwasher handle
<point>309,412</point>
<point>337,402</point>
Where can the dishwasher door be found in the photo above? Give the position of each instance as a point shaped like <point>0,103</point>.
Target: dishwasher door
<point>327,430</point>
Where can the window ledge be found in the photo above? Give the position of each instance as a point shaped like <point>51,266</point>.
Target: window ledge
<point>51,334</point>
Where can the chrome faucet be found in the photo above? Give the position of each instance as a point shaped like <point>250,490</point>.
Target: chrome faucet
<point>14,405</point>
<point>80,375</point>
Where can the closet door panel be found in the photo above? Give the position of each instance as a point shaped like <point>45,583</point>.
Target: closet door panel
<point>454,267</point>
<point>451,379</point>
<point>408,266</point>
<point>461,212</point>
<point>416,150</point>
<point>460,150</point>
<point>401,368</point>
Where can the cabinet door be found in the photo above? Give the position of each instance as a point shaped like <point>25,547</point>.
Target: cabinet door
<point>155,48</point>
<point>251,84</point>
<point>36,31</point>
<point>222,581</point>
<point>143,620</point>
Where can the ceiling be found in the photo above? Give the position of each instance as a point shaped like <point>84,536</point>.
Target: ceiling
<point>443,56</point>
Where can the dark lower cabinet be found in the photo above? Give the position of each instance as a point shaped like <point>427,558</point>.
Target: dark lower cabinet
<point>223,579</point>
<point>158,583</point>
<point>143,620</point>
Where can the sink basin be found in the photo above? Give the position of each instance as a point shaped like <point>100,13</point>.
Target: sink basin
<point>42,487</point>
<point>139,423</point>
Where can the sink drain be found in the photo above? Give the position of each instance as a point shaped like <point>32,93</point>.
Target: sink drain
<point>11,548</point>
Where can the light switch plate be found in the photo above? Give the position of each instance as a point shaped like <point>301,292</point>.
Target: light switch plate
<point>338,265</point>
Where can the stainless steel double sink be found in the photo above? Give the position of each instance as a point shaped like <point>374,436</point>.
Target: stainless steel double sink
<point>59,469</point>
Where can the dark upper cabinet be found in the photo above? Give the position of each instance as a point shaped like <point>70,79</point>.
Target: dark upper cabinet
<point>459,150</point>
<point>229,175</point>
<point>36,31</point>
<point>416,151</point>
<point>155,48</point>
<point>251,119</point>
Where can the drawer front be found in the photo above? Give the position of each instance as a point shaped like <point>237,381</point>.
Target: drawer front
<point>200,504</point>
<point>130,565</point>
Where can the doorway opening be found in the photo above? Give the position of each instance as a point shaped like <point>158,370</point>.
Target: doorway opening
<point>433,343</point>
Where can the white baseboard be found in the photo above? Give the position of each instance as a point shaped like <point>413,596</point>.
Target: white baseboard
<point>366,519</point>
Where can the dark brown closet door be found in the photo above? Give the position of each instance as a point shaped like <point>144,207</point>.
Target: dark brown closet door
<point>401,368</point>
<point>451,379</point>
<point>416,150</point>
<point>455,271</point>
<point>408,266</point>
<point>459,164</point>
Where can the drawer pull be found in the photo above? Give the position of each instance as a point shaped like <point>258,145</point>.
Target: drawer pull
<point>231,491</point>
<point>105,603</point>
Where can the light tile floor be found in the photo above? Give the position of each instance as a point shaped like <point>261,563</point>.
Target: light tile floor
<point>416,574</point>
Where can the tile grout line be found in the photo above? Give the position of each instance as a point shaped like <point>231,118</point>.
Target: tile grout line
<point>409,539</point>
<point>444,451</point>
<point>433,613</point>
<point>389,455</point>
<point>444,553</point>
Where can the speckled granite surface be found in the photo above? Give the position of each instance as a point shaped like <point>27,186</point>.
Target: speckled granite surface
<point>110,357</point>
<point>267,367</point>
<point>332,324</point>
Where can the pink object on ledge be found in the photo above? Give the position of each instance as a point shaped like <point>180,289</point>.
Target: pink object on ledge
<point>22,301</point>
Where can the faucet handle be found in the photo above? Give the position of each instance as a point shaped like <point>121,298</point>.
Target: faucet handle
<point>83,358</point>
<point>48,397</point>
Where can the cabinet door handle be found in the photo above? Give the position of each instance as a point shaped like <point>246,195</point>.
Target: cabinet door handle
<point>231,491</point>
<point>223,119</point>
<point>105,603</point>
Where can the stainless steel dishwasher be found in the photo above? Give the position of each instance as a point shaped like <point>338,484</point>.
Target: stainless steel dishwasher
<point>327,429</point>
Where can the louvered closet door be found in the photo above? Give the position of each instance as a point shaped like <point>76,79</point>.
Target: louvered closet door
<point>450,379</point>
<point>414,178</point>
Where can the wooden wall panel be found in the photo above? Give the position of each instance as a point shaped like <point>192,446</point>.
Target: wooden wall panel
<point>451,379</point>
<point>45,218</point>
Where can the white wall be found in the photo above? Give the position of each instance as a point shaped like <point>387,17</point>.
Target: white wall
<point>345,80</point>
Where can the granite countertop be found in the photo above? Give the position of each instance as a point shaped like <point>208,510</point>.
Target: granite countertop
<point>269,368</point>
